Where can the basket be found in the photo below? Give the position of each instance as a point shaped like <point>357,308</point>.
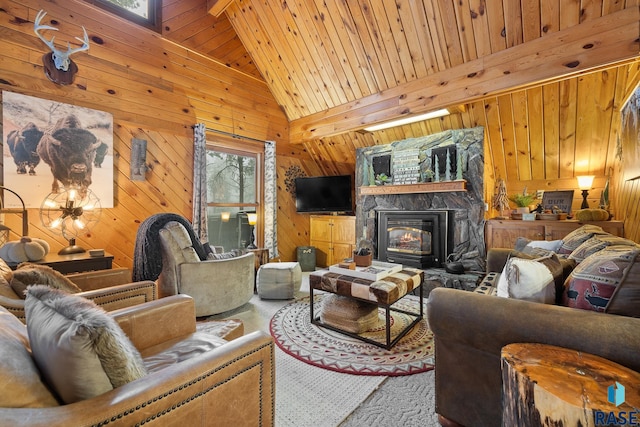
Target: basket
<point>362,260</point>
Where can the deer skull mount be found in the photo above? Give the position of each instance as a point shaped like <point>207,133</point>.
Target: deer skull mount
<point>58,67</point>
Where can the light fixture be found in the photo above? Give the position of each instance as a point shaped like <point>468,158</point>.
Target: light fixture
<point>407,120</point>
<point>4,234</point>
<point>68,213</point>
<point>252,219</point>
<point>584,183</point>
<point>224,216</point>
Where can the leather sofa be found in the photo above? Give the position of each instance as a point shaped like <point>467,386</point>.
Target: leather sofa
<point>111,289</point>
<point>198,379</point>
<point>470,329</point>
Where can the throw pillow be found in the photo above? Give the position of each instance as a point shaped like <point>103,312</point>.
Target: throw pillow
<point>596,244</point>
<point>35,274</point>
<point>80,350</point>
<point>578,236</point>
<point>530,279</point>
<point>522,244</point>
<point>607,281</point>
<point>19,376</point>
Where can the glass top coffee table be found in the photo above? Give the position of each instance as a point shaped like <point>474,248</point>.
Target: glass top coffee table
<point>380,293</point>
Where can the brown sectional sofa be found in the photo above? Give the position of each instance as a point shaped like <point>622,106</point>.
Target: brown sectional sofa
<point>470,330</point>
<point>195,378</point>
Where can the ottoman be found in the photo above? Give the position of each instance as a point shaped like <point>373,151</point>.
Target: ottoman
<point>349,314</point>
<point>278,280</point>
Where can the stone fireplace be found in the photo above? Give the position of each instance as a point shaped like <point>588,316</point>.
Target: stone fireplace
<point>419,239</point>
<point>464,204</point>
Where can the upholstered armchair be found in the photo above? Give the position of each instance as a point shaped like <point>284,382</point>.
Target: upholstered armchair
<point>216,285</point>
<point>110,289</point>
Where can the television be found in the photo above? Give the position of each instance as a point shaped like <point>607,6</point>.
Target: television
<point>324,194</point>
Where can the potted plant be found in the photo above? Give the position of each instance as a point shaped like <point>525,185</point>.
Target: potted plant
<point>523,201</point>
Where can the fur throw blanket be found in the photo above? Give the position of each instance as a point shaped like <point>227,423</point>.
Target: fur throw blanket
<point>147,255</point>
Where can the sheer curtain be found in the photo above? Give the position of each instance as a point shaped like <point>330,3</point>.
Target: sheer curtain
<point>200,190</point>
<point>200,183</point>
<point>270,199</point>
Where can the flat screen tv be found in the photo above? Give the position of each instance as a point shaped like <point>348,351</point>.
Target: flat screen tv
<point>324,194</point>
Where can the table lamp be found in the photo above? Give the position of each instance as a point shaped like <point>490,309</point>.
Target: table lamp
<point>252,218</point>
<point>584,184</point>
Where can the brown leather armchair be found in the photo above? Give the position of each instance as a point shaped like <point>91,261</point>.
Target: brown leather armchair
<point>470,330</point>
<point>216,384</point>
<point>110,289</point>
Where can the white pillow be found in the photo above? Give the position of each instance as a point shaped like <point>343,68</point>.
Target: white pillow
<point>552,245</point>
<point>80,350</point>
<point>527,279</point>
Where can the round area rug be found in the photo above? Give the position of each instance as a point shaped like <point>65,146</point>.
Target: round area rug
<point>294,333</point>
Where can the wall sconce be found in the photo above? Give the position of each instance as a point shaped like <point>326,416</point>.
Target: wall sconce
<point>252,218</point>
<point>584,183</point>
<point>224,216</point>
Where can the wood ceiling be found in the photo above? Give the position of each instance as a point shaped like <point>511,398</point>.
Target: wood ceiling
<point>351,61</point>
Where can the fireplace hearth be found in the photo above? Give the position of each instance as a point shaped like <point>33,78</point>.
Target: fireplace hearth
<point>418,239</point>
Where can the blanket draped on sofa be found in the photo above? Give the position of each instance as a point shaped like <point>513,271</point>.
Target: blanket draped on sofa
<point>147,256</point>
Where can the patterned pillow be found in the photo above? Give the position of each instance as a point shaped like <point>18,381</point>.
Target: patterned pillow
<point>606,281</point>
<point>578,236</point>
<point>596,244</point>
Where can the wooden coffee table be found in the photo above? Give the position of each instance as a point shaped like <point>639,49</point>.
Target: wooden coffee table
<point>383,293</point>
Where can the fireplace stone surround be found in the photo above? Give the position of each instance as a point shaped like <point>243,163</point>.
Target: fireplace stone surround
<point>467,207</point>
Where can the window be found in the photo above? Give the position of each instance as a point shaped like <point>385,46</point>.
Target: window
<point>234,189</point>
<point>143,12</point>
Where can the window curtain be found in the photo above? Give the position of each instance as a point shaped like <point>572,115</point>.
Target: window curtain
<point>200,183</point>
<point>270,199</point>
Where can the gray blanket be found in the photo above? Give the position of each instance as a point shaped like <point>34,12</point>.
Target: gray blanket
<point>147,255</point>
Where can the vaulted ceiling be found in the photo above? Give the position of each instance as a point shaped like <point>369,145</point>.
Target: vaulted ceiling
<point>533,72</point>
<point>327,59</point>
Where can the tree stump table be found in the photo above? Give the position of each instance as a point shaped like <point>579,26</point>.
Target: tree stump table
<point>544,385</point>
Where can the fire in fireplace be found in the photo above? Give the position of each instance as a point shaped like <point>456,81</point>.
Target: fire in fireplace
<point>415,238</point>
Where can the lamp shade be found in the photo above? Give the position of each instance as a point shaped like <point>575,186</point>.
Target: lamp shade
<point>585,182</point>
<point>224,216</point>
<point>252,218</point>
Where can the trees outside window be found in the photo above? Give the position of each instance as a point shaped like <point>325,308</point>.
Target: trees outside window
<point>233,191</point>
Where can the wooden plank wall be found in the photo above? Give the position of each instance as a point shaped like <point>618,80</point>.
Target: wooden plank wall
<point>155,89</point>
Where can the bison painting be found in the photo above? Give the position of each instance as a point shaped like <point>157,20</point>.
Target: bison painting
<point>70,151</point>
<point>23,144</point>
<point>101,151</point>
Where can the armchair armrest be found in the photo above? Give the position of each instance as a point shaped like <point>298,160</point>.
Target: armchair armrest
<point>230,385</point>
<point>470,330</point>
<point>497,258</point>
<point>90,280</point>
<point>157,321</point>
<point>115,297</point>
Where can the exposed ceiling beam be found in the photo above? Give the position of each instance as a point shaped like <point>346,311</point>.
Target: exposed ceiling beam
<point>611,39</point>
<point>216,7</point>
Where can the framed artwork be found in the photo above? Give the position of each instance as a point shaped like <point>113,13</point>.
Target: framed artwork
<point>562,199</point>
<point>77,143</point>
<point>630,135</point>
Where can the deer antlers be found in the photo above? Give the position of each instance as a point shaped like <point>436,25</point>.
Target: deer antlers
<point>60,58</point>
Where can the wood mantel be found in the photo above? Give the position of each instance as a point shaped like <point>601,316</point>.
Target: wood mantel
<point>424,187</point>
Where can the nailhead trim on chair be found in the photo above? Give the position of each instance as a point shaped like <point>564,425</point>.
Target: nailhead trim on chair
<point>199,394</point>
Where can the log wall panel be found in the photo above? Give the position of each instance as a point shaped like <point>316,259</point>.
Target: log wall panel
<point>155,89</point>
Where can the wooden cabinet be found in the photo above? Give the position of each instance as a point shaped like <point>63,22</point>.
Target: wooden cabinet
<point>503,233</point>
<point>334,238</point>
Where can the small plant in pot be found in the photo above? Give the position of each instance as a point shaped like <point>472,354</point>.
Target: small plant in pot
<point>523,201</point>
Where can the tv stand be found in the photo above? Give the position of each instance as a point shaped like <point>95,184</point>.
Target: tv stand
<point>334,237</point>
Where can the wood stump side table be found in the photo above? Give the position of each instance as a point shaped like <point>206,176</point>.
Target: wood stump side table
<point>544,385</point>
